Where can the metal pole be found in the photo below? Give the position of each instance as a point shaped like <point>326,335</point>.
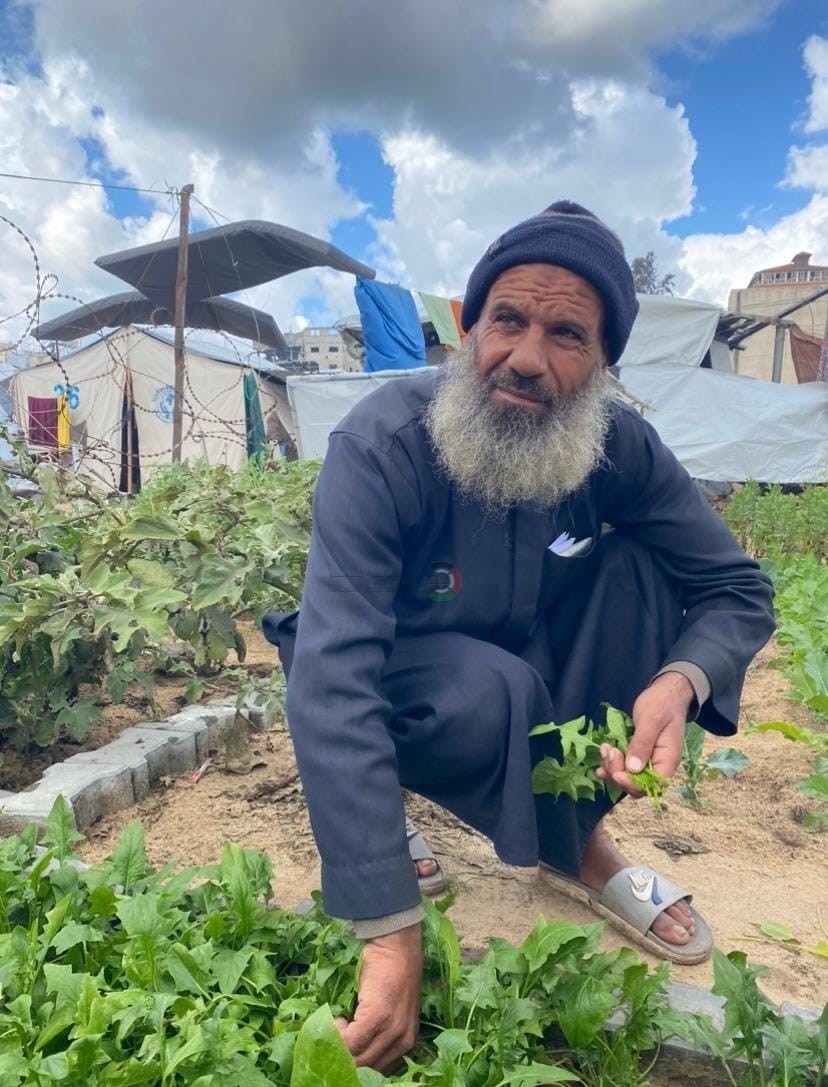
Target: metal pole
<point>180,317</point>
<point>778,353</point>
<point>129,420</point>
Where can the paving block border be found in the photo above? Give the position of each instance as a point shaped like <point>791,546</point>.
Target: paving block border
<point>113,777</point>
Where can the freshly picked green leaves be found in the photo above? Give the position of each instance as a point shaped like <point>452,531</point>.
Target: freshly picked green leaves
<point>573,775</point>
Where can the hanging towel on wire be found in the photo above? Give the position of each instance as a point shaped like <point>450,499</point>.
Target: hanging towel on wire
<point>445,316</point>
<point>391,327</point>
<point>254,421</point>
<point>43,421</point>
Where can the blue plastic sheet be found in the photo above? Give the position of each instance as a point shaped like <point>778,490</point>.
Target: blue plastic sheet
<point>391,327</point>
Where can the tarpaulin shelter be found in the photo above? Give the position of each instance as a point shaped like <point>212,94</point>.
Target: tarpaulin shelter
<point>391,327</point>
<point>721,426</point>
<point>120,396</point>
<point>228,258</point>
<point>220,261</point>
<point>134,308</point>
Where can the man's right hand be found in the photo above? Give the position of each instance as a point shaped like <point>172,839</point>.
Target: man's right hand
<point>384,1027</point>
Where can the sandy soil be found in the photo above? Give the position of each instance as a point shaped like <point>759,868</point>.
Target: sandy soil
<point>745,856</point>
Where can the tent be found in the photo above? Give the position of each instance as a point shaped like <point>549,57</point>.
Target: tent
<point>120,395</point>
<point>722,426</point>
<point>134,308</point>
<point>226,259</point>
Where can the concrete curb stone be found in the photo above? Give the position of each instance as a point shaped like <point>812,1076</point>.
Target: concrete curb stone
<point>115,776</point>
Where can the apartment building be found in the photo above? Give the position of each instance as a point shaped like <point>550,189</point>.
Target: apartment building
<point>770,291</point>
<point>321,345</point>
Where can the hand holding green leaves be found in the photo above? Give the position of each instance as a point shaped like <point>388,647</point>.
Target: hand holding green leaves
<point>575,774</point>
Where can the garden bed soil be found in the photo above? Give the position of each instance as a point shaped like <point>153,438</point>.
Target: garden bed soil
<point>745,856</point>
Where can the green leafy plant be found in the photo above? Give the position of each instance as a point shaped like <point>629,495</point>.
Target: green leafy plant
<point>573,774</point>
<point>99,594</point>
<point>757,1046</point>
<point>769,522</point>
<point>725,762</point>
<point>122,974</point>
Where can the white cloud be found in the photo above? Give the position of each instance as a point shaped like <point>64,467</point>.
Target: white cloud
<point>808,168</point>
<point>484,119</point>
<point>43,118</point>
<point>716,263</point>
<point>616,38</point>
<point>261,75</point>
<point>816,62</point>
<point>629,158</point>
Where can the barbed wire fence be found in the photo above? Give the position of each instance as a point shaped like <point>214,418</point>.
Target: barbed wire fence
<point>102,451</point>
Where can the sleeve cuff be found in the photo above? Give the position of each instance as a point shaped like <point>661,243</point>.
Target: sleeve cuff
<point>372,927</point>
<point>696,676</point>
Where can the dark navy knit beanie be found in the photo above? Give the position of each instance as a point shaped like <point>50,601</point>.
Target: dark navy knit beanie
<point>569,236</point>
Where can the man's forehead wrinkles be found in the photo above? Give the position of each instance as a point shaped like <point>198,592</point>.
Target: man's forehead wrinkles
<point>563,304</point>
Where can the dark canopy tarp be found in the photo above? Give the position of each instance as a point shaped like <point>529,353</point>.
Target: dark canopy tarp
<point>134,308</point>
<point>226,259</point>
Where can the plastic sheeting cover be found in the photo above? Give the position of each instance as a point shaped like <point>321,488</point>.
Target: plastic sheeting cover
<point>320,401</point>
<point>671,330</point>
<point>391,327</point>
<point>728,428</point>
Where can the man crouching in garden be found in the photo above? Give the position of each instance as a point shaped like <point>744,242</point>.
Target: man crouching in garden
<point>496,545</point>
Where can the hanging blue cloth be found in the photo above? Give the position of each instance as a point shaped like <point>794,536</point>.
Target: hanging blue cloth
<point>393,335</point>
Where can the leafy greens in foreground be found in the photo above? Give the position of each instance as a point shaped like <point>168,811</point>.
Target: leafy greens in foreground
<point>121,975</point>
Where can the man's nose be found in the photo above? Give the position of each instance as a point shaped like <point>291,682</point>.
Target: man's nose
<point>528,354</point>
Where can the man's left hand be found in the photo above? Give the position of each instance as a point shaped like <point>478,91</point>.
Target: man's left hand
<point>660,719</point>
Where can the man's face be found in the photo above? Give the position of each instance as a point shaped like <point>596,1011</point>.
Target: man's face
<point>539,337</point>
<point>523,408</point>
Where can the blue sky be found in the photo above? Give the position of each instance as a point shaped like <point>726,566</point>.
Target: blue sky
<point>745,99</point>
<point>684,123</point>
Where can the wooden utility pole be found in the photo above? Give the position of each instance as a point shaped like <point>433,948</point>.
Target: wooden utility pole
<point>180,317</point>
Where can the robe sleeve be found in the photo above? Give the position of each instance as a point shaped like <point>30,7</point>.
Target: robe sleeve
<point>363,507</point>
<point>726,598</point>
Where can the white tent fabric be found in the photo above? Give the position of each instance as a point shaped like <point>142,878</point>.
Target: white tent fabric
<point>672,330</point>
<point>213,423</point>
<point>93,379</point>
<point>726,427</point>
<point>722,427</point>
<point>319,401</point>
<point>667,330</point>
<point>96,376</point>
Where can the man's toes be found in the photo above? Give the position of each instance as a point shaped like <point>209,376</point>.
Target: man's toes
<point>668,928</point>
<point>682,915</point>
<point>425,868</point>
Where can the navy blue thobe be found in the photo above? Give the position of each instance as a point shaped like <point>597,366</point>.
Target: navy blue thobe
<point>406,580</point>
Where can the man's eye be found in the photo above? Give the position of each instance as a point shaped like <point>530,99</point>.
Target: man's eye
<point>506,318</point>
<point>567,333</point>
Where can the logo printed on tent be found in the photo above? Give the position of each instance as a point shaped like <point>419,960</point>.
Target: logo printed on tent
<point>164,401</point>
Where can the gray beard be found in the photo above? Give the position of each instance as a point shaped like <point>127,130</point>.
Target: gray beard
<point>500,455</point>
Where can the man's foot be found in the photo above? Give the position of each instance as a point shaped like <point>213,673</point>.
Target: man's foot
<point>426,868</point>
<point>429,875</point>
<point>600,863</point>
